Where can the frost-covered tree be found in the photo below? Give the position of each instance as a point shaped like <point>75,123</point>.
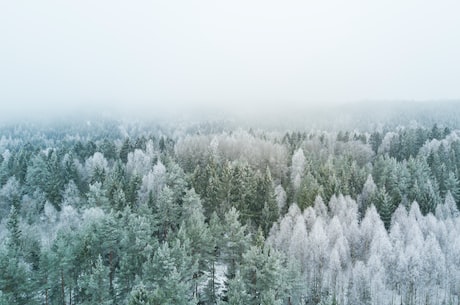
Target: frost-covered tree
<point>297,168</point>
<point>367,195</point>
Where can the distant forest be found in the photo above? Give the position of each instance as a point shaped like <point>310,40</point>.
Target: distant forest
<point>115,212</point>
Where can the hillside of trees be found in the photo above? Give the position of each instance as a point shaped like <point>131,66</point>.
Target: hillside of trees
<point>113,212</point>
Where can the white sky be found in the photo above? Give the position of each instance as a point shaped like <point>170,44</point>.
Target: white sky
<point>143,55</point>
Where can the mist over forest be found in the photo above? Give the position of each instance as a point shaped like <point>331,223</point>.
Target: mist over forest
<point>229,152</point>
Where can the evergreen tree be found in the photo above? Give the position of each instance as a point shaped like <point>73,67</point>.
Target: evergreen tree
<point>136,245</point>
<point>261,272</point>
<point>265,195</point>
<point>375,140</point>
<point>385,206</point>
<point>367,196</point>
<point>166,260</point>
<point>168,213</point>
<point>309,190</point>
<point>15,234</point>
<point>124,150</point>
<point>139,296</point>
<point>44,274</point>
<point>234,243</point>
<point>211,191</point>
<point>132,189</point>
<point>172,291</point>
<point>97,197</point>
<point>96,285</point>
<point>14,279</point>
<point>453,186</point>
<point>216,231</point>
<point>237,294</point>
<point>196,231</point>
<point>55,183</point>
<point>108,149</point>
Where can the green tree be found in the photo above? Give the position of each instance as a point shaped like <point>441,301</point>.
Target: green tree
<point>136,244</point>
<point>15,234</point>
<point>108,149</point>
<point>54,183</point>
<point>124,150</point>
<point>375,140</point>
<point>173,291</point>
<point>237,294</point>
<point>139,296</point>
<point>166,260</point>
<point>196,231</point>
<point>216,231</point>
<point>234,241</point>
<point>309,190</point>
<point>453,186</point>
<point>15,285</point>
<point>96,285</point>
<point>168,213</point>
<point>385,207</point>
<point>262,273</point>
<point>270,211</point>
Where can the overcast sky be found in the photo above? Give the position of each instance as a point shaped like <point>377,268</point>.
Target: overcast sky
<point>146,54</point>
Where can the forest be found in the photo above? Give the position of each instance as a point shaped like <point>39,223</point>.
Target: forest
<point>124,212</point>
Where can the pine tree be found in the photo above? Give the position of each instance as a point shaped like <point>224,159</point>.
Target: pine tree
<point>237,294</point>
<point>166,260</point>
<point>385,206</point>
<point>44,273</point>
<point>234,242</point>
<point>69,257</point>
<point>261,272</point>
<point>139,296</point>
<point>226,187</point>
<point>109,149</point>
<point>124,150</point>
<point>453,186</point>
<point>135,245</point>
<point>172,291</point>
<point>375,140</point>
<point>211,194</point>
<point>96,285</point>
<point>196,231</point>
<point>55,183</point>
<point>97,197</point>
<point>309,190</point>
<point>132,189</point>
<point>168,213</point>
<point>269,211</point>
<point>14,279</point>
<point>109,237</point>
<point>15,234</point>
<point>216,230</point>
<point>448,209</point>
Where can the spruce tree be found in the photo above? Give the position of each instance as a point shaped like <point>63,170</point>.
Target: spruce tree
<point>385,206</point>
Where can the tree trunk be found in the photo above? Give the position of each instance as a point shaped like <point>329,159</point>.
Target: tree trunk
<point>111,273</point>
<point>62,287</point>
<point>213,280</point>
